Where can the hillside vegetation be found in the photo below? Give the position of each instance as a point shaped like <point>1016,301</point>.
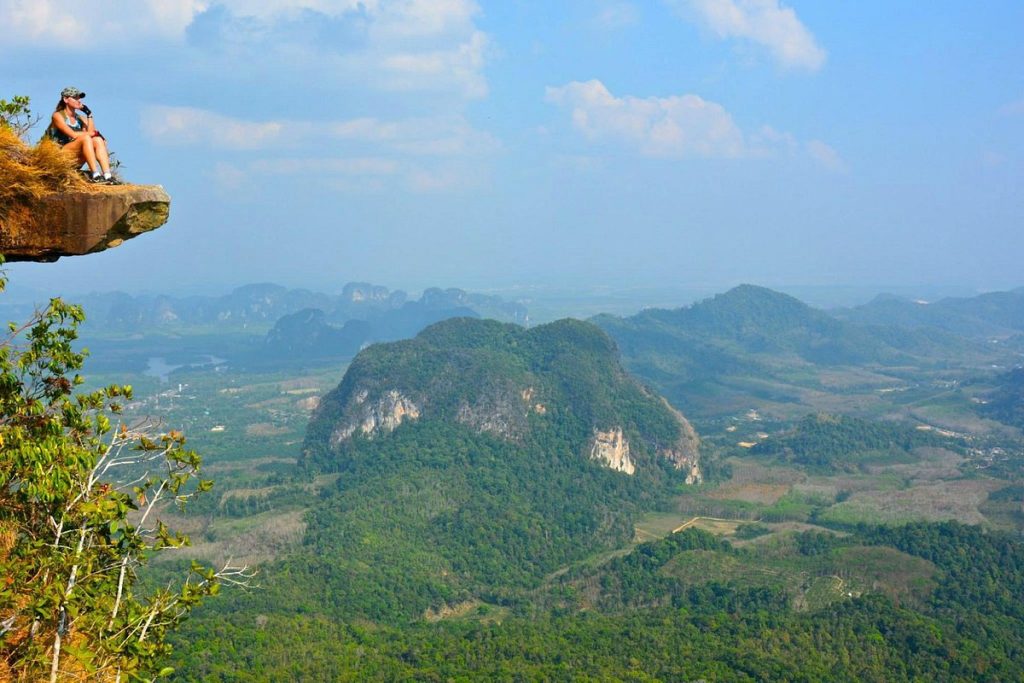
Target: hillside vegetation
<point>1006,403</point>
<point>831,443</point>
<point>465,470</point>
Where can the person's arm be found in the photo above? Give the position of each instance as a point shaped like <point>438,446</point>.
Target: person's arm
<point>63,127</point>
<point>90,125</point>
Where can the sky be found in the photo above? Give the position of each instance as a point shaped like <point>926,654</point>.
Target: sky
<point>516,143</point>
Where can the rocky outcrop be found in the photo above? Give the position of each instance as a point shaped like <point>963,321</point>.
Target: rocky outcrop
<point>611,449</point>
<point>685,452</point>
<point>378,417</point>
<point>501,410</point>
<point>81,222</point>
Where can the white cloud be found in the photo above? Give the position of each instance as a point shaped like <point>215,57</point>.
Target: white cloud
<point>175,126</point>
<point>439,136</point>
<point>826,156</point>
<point>765,22</point>
<point>430,154</point>
<point>72,24</point>
<point>410,18</point>
<point>442,136</point>
<point>461,64</point>
<point>389,44</point>
<point>353,166</point>
<point>615,14</point>
<point>676,126</point>
<point>270,9</point>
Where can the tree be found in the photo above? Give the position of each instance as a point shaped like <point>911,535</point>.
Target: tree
<point>80,505</point>
<point>17,115</point>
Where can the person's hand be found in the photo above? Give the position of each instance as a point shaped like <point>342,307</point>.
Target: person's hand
<point>85,108</point>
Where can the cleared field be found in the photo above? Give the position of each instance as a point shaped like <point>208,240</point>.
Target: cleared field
<point>265,429</point>
<point>751,492</point>
<point>471,610</point>
<point>898,575</point>
<point>811,581</point>
<point>249,541</point>
<point>657,525</point>
<point>959,500</point>
<point>719,527</point>
<point>753,471</point>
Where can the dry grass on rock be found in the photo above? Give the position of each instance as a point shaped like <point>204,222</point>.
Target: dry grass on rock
<point>27,174</point>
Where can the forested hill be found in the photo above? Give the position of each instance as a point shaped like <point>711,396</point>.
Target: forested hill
<point>748,320</point>
<point>1006,403</point>
<point>753,344</point>
<point>986,315</point>
<point>471,462</point>
<point>554,388</point>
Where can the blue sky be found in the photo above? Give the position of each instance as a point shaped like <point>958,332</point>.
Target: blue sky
<point>690,143</point>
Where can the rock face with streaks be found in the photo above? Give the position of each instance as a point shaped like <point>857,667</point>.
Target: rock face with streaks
<point>380,416</point>
<point>81,222</point>
<point>611,449</point>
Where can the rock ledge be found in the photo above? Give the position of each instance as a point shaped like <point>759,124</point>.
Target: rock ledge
<point>81,222</point>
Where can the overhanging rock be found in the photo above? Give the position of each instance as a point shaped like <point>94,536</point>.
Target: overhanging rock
<point>81,222</point>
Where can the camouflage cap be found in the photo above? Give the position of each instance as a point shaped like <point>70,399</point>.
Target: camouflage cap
<point>72,92</point>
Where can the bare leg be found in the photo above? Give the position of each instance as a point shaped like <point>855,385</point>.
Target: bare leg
<point>82,148</point>
<point>100,147</point>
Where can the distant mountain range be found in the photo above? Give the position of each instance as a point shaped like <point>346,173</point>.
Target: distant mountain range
<point>995,314</point>
<point>257,307</point>
<point>759,334</point>
<point>376,316</point>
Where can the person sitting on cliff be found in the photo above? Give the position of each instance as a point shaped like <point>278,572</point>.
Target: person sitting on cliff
<point>72,127</point>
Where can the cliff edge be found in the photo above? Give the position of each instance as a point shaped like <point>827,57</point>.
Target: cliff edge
<point>80,221</point>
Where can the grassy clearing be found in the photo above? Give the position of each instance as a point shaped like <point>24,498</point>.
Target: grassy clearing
<point>898,575</point>
<point>655,525</point>
<point>811,581</point>
<point>751,492</point>
<point>719,527</point>
<point>469,611</point>
<point>248,541</point>
<point>959,500</point>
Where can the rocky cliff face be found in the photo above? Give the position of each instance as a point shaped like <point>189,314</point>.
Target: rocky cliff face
<point>379,416</point>
<point>495,414</point>
<point>612,450</point>
<point>81,222</point>
<point>685,453</point>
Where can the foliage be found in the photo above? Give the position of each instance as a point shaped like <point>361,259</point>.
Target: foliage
<point>715,630</point>
<point>570,368</point>
<point>17,116</point>
<point>832,443</point>
<point>482,495</point>
<point>73,531</point>
<point>751,530</point>
<point>1006,404</point>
